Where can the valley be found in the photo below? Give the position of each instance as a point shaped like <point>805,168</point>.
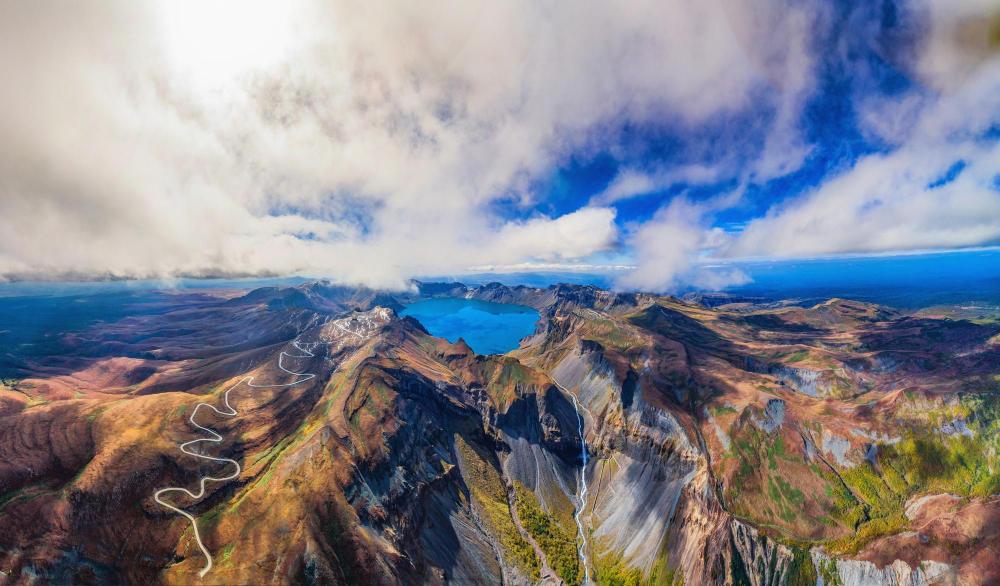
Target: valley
<point>627,439</point>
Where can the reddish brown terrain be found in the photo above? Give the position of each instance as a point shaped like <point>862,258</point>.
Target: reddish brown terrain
<point>840,443</point>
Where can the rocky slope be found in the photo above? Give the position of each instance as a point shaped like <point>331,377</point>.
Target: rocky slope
<point>838,444</point>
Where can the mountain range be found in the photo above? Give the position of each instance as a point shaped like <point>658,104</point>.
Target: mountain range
<point>631,439</point>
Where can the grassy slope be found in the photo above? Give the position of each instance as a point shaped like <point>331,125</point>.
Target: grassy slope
<point>489,492</point>
<point>556,540</point>
<point>772,484</point>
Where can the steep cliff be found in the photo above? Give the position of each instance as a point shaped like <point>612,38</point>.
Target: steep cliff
<point>632,439</point>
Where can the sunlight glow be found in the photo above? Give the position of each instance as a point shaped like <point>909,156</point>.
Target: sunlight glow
<point>214,42</point>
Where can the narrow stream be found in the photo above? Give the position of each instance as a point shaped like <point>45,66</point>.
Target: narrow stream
<point>582,497</point>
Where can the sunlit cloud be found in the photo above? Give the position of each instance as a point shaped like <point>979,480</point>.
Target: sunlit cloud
<point>373,143</point>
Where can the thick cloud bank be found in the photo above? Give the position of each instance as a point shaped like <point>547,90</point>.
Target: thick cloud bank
<point>371,142</point>
<point>367,142</point>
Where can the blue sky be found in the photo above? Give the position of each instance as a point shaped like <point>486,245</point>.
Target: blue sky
<point>863,51</point>
<point>373,145</point>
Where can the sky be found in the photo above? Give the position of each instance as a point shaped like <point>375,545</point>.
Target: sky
<point>660,142</point>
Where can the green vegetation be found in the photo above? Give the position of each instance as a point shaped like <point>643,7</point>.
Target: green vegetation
<point>209,520</point>
<point>556,541</point>
<point>871,506</point>
<point>781,491</point>
<point>227,552</point>
<point>960,464</point>
<point>776,449</point>
<point>612,570</point>
<point>717,410</point>
<point>738,571</point>
<point>25,494</point>
<point>488,490</point>
<point>34,401</point>
<point>11,497</point>
<point>797,356</point>
<point>662,573</point>
<point>373,402</point>
<point>828,570</point>
<point>64,490</point>
<point>923,462</point>
<point>763,463</point>
<point>963,465</point>
<point>801,571</point>
<point>509,375</point>
<point>842,503</point>
<point>609,332</point>
<point>269,458</point>
<point>768,487</point>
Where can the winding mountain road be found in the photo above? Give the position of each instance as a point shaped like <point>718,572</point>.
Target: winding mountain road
<point>360,326</point>
<point>215,438</point>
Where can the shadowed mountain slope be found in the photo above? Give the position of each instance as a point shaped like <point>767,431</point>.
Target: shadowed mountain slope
<point>773,445</point>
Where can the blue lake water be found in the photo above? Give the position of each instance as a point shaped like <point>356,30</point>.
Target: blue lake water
<point>34,314</point>
<point>489,328</point>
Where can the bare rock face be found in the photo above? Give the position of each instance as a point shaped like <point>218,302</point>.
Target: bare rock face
<point>898,573</point>
<point>708,451</point>
<point>699,537</point>
<point>766,562</point>
<point>773,417</point>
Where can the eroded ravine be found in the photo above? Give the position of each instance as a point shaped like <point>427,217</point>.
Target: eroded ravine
<point>582,493</point>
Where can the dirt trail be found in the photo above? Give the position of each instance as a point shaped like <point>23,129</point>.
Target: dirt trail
<point>548,575</point>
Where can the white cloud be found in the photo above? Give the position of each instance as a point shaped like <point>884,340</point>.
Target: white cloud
<point>136,143</point>
<point>574,267</point>
<point>668,248</point>
<point>630,183</point>
<point>776,38</point>
<point>960,40</point>
<point>884,204</point>
<point>372,142</point>
<point>361,141</point>
<point>897,202</point>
